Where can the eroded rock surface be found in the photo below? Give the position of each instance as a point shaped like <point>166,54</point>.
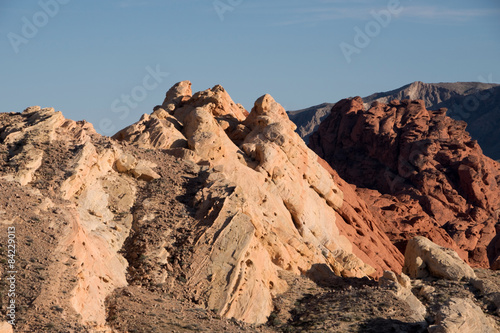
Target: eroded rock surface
<point>420,170</point>
<point>269,205</point>
<point>400,286</point>
<point>67,172</point>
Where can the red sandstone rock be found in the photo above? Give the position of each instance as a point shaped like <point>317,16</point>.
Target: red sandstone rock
<point>420,170</point>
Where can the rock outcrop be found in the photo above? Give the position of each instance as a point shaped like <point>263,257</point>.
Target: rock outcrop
<point>420,170</point>
<point>424,258</point>
<point>65,162</point>
<point>400,285</point>
<point>474,102</point>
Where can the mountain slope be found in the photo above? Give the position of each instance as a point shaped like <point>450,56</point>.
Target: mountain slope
<point>307,120</point>
<point>431,93</point>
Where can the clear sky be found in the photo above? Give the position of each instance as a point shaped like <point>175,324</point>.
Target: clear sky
<point>107,61</point>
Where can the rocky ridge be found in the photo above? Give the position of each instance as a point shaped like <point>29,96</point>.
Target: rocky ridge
<point>265,205</point>
<point>433,94</point>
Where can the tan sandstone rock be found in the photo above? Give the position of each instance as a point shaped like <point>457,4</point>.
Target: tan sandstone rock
<point>273,206</point>
<point>85,189</point>
<point>423,258</point>
<point>154,131</point>
<point>5,327</point>
<point>462,315</point>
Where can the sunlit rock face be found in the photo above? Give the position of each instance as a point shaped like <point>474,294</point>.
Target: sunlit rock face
<point>421,170</point>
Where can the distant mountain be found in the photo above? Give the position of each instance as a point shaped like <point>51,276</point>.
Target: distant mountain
<point>481,111</point>
<point>308,120</point>
<point>432,93</point>
<point>476,103</point>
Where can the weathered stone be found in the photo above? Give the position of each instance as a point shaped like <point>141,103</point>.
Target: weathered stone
<point>423,258</point>
<point>125,163</point>
<point>462,315</point>
<point>159,130</point>
<point>179,93</point>
<point>143,170</point>
<point>88,185</point>
<point>427,292</point>
<point>400,286</point>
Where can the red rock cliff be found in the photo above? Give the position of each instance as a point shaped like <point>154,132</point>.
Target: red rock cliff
<point>420,170</point>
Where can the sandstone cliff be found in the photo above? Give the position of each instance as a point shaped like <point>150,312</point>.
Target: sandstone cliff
<point>420,169</point>
<point>269,205</point>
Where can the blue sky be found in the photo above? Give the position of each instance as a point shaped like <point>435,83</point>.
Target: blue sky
<point>85,57</point>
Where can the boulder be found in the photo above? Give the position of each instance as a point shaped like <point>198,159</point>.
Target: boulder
<point>424,258</point>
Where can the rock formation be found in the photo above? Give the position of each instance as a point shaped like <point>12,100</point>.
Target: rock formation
<point>420,170</point>
<point>67,169</point>
<point>462,315</point>
<point>424,258</point>
<point>263,203</point>
<point>400,286</point>
<point>474,102</point>
<point>276,205</point>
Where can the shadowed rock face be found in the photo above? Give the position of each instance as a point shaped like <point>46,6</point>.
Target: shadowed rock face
<point>476,103</point>
<point>421,171</point>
